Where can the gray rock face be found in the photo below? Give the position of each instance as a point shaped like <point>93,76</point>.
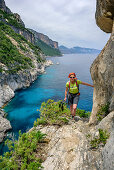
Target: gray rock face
<point>6,93</point>
<point>45,39</point>
<point>4,126</point>
<point>69,148</point>
<point>102,73</point>
<point>18,18</point>
<point>9,83</point>
<point>107,123</point>
<point>108,153</point>
<point>104,14</point>
<point>25,33</point>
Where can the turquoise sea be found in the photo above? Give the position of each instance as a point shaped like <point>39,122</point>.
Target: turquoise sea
<point>22,109</point>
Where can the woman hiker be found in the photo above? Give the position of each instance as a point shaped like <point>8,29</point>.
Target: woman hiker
<point>73,95</point>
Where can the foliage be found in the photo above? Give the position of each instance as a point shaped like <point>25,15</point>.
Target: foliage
<point>11,19</point>
<point>101,139</point>
<point>103,112</point>
<point>51,113</point>
<point>9,54</point>
<point>47,49</point>
<point>22,154</point>
<point>83,113</point>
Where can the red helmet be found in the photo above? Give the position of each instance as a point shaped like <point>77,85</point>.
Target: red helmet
<point>71,74</point>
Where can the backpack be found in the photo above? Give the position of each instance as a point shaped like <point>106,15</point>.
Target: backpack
<point>76,85</point>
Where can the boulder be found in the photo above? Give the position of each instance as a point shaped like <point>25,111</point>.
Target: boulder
<point>107,123</point>
<point>104,14</point>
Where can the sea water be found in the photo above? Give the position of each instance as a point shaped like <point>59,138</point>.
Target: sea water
<point>23,108</point>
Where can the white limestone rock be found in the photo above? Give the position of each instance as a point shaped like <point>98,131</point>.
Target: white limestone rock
<point>4,127</point>
<point>6,93</point>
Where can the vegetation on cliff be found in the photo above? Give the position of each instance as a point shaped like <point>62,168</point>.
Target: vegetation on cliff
<point>10,54</point>
<point>29,151</point>
<point>103,112</point>
<point>10,19</point>
<point>100,140</point>
<point>48,50</point>
<point>53,114</point>
<point>57,113</point>
<point>22,154</point>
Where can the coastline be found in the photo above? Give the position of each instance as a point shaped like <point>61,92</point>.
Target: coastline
<point>13,83</point>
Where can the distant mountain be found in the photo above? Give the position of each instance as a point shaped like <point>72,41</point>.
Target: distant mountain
<point>65,50</point>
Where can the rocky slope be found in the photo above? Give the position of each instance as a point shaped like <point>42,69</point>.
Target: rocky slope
<point>69,146</point>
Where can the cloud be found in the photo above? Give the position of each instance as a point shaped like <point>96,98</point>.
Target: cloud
<point>71,23</point>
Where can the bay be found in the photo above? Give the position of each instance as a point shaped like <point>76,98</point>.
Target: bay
<point>22,109</point>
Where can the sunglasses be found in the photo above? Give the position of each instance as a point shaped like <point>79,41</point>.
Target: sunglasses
<point>72,77</point>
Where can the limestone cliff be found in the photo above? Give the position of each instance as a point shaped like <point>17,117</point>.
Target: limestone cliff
<point>102,73</point>
<point>102,69</point>
<point>14,20</point>
<point>45,39</point>
<point>25,33</point>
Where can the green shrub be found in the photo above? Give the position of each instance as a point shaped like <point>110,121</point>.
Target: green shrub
<point>103,112</point>
<point>83,113</point>
<point>101,139</point>
<point>51,113</point>
<point>47,49</point>
<point>22,154</point>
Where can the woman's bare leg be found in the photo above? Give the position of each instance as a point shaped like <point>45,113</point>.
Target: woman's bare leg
<point>71,109</point>
<point>74,109</point>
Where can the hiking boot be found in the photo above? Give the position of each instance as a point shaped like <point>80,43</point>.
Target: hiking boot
<point>77,118</point>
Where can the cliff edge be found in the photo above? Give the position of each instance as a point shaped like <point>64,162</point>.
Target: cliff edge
<point>102,73</point>
<point>102,69</point>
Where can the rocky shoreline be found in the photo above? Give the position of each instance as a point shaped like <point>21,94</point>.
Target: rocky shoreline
<point>10,83</point>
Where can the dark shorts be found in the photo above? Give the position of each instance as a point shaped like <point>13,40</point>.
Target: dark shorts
<point>73,98</point>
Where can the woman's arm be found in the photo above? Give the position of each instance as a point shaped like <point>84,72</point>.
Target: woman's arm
<point>87,84</point>
<point>66,90</point>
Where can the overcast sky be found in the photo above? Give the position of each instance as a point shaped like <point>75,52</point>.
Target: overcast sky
<point>69,22</point>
